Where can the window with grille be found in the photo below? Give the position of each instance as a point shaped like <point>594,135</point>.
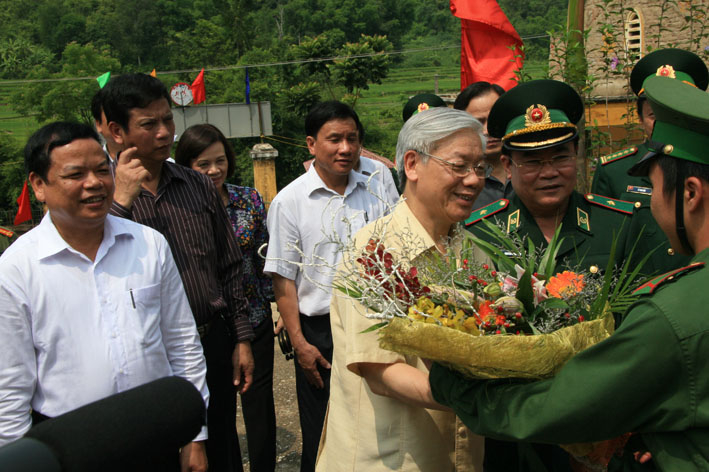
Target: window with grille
<point>634,35</point>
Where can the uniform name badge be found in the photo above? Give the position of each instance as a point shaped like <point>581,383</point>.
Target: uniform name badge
<point>640,190</point>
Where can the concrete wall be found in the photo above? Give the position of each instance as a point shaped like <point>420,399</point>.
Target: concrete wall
<point>671,28</point>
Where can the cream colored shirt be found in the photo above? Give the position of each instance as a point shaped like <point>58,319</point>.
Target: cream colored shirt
<point>368,432</point>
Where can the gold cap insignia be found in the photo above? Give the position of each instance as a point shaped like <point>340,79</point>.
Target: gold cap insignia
<point>666,71</point>
<point>668,149</point>
<point>422,106</point>
<point>536,115</point>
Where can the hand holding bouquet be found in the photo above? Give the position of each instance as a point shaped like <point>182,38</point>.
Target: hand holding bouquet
<point>514,315</point>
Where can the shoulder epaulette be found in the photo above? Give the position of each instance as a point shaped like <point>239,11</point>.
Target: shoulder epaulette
<point>618,155</point>
<point>487,210</point>
<point>651,285</point>
<point>6,232</point>
<point>621,206</point>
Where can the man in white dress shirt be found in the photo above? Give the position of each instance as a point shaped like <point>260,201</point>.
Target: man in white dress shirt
<point>90,304</point>
<point>308,222</point>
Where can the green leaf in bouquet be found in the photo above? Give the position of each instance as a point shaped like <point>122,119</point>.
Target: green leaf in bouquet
<point>547,264</point>
<point>374,327</point>
<point>553,303</point>
<point>349,288</point>
<point>547,304</point>
<point>501,260</point>
<point>531,265</point>
<point>618,293</point>
<point>525,294</point>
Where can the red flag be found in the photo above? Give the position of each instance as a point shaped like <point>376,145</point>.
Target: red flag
<point>24,213</point>
<point>486,37</point>
<point>198,93</point>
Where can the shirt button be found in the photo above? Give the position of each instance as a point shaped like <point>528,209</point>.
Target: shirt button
<point>462,432</point>
<point>121,371</point>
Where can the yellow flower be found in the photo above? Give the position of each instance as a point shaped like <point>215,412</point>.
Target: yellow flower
<point>565,285</point>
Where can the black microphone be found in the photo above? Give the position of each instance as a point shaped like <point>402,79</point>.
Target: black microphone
<point>28,455</point>
<point>139,429</point>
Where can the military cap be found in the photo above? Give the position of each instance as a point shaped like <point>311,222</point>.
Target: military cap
<point>536,115</point>
<point>673,63</point>
<point>421,102</point>
<point>681,122</point>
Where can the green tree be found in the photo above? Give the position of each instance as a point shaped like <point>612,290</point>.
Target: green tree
<point>66,100</point>
<point>19,55</point>
<point>12,173</point>
<point>366,62</point>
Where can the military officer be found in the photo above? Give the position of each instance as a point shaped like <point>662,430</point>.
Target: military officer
<point>647,377</point>
<point>536,122</point>
<point>419,103</point>
<point>611,177</point>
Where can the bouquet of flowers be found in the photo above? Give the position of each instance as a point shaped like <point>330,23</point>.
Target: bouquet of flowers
<point>510,314</point>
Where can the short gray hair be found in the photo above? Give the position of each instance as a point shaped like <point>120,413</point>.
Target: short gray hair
<point>423,131</point>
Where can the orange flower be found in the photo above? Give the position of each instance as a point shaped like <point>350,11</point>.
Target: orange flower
<point>565,285</point>
<point>485,311</point>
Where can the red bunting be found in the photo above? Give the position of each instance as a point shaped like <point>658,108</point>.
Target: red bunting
<point>486,37</point>
<point>24,213</point>
<point>199,94</point>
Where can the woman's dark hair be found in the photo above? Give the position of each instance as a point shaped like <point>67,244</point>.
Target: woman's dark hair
<point>474,90</point>
<point>196,139</point>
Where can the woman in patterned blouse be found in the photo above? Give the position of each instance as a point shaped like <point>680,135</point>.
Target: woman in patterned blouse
<point>205,149</point>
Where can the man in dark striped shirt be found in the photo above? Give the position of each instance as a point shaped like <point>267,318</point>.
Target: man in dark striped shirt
<point>186,208</point>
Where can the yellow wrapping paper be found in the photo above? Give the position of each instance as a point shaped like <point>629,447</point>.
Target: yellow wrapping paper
<point>491,356</point>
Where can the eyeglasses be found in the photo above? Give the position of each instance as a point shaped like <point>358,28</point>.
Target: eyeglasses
<point>534,166</point>
<point>461,169</point>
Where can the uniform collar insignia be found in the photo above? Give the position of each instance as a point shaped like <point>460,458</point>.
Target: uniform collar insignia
<point>582,220</point>
<point>513,222</point>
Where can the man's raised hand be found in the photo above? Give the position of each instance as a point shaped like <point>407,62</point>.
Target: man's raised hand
<point>130,175</point>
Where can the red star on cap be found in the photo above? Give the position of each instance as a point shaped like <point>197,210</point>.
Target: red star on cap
<point>537,114</point>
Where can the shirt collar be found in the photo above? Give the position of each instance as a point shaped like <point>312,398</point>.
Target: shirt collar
<point>52,243</point>
<point>314,183</point>
<point>404,218</point>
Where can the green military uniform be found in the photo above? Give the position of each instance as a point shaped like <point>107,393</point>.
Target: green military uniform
<point>588,228</point>
<point>6,238</point>
<point>611,177</point>
<point>649,377</point>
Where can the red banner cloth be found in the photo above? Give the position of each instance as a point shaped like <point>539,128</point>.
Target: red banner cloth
<point>199,94</point>
<point>24,213</point>
<point>486,37</point>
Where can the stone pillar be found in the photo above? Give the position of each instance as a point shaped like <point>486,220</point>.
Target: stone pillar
<point>264,156</point>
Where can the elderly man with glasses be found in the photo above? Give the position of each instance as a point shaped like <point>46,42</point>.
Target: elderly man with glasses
<point>381,415</point>
<point>536,122</point>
